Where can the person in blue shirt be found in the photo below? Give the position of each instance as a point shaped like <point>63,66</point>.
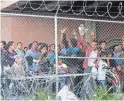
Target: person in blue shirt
<point>64,43</point>
<point>119,62</point>
<point>32,54</point>
<point>118,52</point>
<point>65,50</point>
<point>74,49</point>
<point>70,47</point>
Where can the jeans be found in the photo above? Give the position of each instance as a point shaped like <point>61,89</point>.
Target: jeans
<point>88,70</point>
<point>102,83</point>
<point>88,85</point>
<point>62,81</point>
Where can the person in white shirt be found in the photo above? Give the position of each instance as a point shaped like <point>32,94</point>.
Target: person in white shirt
<point>62,69</point>
<point>92,58</point>
<point>102,65</point>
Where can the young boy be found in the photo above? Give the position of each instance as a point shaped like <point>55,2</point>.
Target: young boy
<point>62,69</point>
<point>18,68</point>
<point>102,70</point>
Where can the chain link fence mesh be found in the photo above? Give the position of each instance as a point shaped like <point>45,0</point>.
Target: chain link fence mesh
<point>32,75</point>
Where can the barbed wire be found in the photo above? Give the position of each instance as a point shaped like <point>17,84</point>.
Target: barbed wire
<point>53,7</point>
<point>22,8</point>
<point>108,9</point>
<point>68,9</point>
<point>80,12</point>
<point>35,8</point>
<point>109,6</point>
<point>83,10</point>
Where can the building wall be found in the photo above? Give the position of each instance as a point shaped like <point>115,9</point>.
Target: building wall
<point>107,31</point>
<point>28,29</point>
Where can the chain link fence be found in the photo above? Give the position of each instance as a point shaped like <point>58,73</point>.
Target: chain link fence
<point>29,66</point>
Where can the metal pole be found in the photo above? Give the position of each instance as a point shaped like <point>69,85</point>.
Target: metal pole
<point>0,67</point>
<point>56,52</point>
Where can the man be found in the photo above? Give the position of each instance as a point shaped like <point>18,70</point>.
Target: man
<point>119,62</point>
<point>103,46</point>
<point>91,53</point>
<point>19,50</point>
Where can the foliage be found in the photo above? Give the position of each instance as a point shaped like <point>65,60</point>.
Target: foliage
<point>41,95</point>
<point>103,94</point>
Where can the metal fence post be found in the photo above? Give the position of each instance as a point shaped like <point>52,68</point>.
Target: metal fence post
<point>56,51</point>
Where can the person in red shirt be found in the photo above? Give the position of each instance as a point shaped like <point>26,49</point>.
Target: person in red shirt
<point>91,54</point>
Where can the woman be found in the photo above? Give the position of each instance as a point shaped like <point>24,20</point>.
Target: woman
<point>8,57</point>
<point>59,50</point>
<point>51,53</point>
<point>41,59</point>
<point>7,60</point>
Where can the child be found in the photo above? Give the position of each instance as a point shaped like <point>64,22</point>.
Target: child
<point>62,69</point>
<point>18,68</point>
<point>102,70</point>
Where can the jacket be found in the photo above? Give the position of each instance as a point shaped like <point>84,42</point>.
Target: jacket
<point>88,50</point>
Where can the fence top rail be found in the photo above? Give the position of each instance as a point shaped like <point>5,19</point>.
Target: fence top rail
<point>46,76</point>
<point>64,18</point>
<point>68,57</point>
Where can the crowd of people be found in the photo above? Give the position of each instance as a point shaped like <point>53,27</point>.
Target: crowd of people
<point>40,57</point>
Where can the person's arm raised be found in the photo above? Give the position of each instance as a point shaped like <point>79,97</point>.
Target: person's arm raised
<point>63,36</point>
<point>82,40</point>
<point>75,34</point>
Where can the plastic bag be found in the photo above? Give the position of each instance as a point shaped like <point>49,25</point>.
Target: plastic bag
<point>65,95</point>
